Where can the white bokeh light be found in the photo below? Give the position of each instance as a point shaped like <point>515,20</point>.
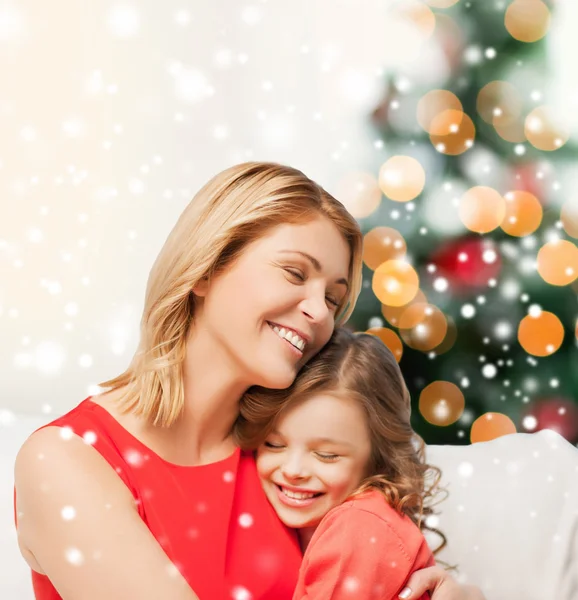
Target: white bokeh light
<point>489,371</point>
<point>12,23</point>
<point>251,15</point>
<point>74,556</point>
<point>49,357</point>
<point>440,207</point>
<point>503,330</point>
<point>191,84</point>
<point>123,21</point>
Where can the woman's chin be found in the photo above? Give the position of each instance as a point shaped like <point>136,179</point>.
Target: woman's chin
<point>277,378</point>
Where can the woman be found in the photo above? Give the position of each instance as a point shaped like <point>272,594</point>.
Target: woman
<point>141,492</point>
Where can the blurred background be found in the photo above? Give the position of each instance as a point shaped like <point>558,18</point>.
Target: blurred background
<point>447,127</point>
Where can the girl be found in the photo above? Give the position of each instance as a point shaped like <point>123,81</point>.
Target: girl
<point>141,492</point>
<point>339,461</point>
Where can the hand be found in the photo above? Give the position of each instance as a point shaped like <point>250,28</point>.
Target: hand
<point>441,585</point>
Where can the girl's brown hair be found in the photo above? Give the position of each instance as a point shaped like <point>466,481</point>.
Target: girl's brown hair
<point>362,368</point>
<point>236,207</point>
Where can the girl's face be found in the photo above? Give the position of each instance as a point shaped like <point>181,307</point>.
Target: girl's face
<point>271,310</point>
<point>314,459</point>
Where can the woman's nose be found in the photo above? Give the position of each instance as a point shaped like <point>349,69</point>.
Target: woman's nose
<point>314,306</point>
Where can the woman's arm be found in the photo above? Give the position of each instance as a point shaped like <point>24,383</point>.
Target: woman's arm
<point>78,524</point>
<point>441,585</point>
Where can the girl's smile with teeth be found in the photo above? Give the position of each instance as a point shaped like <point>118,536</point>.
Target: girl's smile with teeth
<point>292,499</point>
<point>298,495</point>
<point>291,336</point>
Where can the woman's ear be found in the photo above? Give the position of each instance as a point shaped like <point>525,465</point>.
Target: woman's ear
<point>201,288</point>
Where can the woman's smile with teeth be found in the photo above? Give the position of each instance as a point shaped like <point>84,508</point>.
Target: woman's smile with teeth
<point>290,336</point>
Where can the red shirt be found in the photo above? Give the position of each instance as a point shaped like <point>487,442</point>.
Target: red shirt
<point>362,549</point>
<point>213,521</point>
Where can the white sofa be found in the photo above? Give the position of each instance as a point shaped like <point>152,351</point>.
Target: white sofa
<point>511,516</point>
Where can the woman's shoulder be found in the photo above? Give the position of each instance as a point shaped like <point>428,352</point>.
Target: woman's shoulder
<point>83,438</point>
<point>79,437</point>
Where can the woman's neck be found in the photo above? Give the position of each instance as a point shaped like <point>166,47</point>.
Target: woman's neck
<point>213,388</point>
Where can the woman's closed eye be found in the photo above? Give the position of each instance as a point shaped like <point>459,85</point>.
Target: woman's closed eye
<point>295,273</point>
<point>335,303</point>
<point>299,276</point>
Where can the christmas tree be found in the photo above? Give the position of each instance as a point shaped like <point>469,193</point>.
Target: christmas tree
<point>471,265</point>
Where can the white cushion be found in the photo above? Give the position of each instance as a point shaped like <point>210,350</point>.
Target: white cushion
<point>511,517</point>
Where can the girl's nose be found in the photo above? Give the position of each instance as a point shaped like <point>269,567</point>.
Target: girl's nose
<point>294,468</point>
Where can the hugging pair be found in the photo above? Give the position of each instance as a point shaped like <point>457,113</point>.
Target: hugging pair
<point>144,491</point>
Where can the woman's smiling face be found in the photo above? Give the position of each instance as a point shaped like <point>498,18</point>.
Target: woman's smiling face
<point>274,307</point>
<point>316,456</point>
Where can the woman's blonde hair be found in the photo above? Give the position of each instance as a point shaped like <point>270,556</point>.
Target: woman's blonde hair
<point>236,207</point>
<point>361,368</point>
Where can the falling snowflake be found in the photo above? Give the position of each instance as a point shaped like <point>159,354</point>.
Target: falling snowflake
<point>74,556</point>
<point>245,520</point>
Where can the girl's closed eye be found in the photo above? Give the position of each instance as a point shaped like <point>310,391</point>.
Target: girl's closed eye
<point>327,456</point>
<point>273,446</point>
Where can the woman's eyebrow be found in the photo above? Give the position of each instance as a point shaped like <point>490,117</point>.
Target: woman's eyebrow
<point>316,264</point>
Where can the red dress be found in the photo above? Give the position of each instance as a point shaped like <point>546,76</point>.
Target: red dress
<point>362,549</point>
<point>213,521</point>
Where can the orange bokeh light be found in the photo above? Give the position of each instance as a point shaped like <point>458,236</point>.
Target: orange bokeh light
<point>452,132</point>
<point>491,426</point>
<point>541,334</point>
<point>498,102</point>
<point>420,15</point>
<point>441,403</point>
<point>482,209</point>
<point>527,20</point>
<point>423,326</point>
<point>449,339</point>
<point>402,178</point>
<point>395,282</point>
<point>393,313</point>
<point>558,262</point>
<point>382,244</point>
<point>569,217</point>
<point>544,129</point>
<point>434,103</point>
<point>359,192</point>
<point>511,132</point>
<point>390,339</point>
<point>523,213</point>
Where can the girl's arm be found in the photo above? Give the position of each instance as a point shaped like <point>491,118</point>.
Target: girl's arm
<point>78,524</point>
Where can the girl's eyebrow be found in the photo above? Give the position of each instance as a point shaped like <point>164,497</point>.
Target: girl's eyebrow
<point>326,440</point>
<point>320,440</point>
<point>316,264</point>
